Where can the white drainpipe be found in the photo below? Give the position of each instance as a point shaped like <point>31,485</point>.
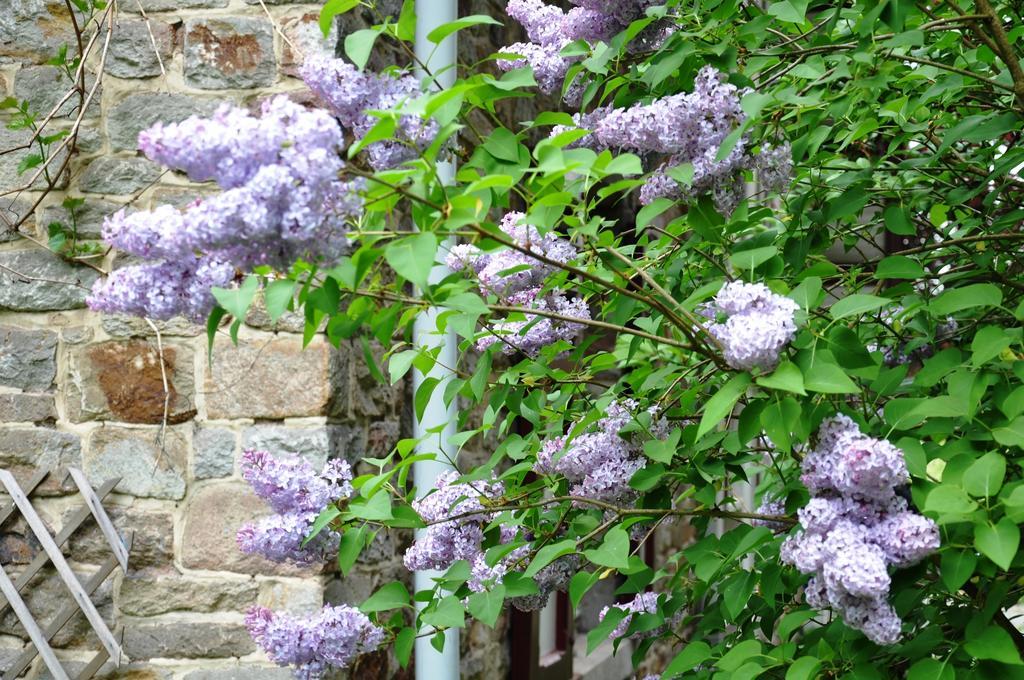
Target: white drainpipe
<point>441,60</point>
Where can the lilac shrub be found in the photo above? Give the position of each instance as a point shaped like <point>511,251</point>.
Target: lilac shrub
<point>855,527</point>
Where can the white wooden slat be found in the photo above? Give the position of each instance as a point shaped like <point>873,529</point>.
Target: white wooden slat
<point>101,517</point>
<point>63,616</point>
<point>63,570</point>
<point>36,480</point>
<point>70,526</point>
<point>34,633</point>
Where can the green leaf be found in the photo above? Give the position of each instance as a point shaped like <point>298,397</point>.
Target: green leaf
<point>855,305</point>
<point>405,641</point>
<point>352,542</point>
<point>822,373</point>
<point>237,300</point>
<point>956,568</point>
<point>985,476</point>
<point>721,405</point>
<point>277,296</point>
<point>899,267</point>
<point>406,29</point>
<point>448,614</point>
<point>326,516</point>
<point>549,554</point>
<point>787,377</point>
<point>399,364</point>
<point>957,299</point>
<point>791,11</point>
<point>804,668</point>
<point>485,607</point>
<point>738,654</point>
<point>793,621</point>
<point>989,342</point>
<point>998,542</point>
<point>692,654</point>
<point>948,499</point>
<point>392,595</point>
<point>897,220</point>
<point>751,259</point>
<point>359,46</point>
<point>993,643</point>
<point>931,669</point>
<point>377,507</point>
<point>613,551</point>
<point>1011,434</point>
<point>332,9</point>
<point>445,30</point>
<point>412,257</point>
<point>663,450</point>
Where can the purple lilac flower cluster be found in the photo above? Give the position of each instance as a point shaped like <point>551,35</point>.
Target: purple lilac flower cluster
<point>644,603</point>
<point>599,464</point>
<point>752,323</point>
<point>689,128</point>
<point>297,494</point>
<point>855,527</point>
<point>446,541</point>
<point>771,506</point>
<point>517,279</point>
<point>282,200</point>
<point>313,645</point>
<point>350,94</point>
<point>550,29</point>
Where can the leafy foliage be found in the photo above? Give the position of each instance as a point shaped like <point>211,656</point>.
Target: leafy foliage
<point>899,240</point>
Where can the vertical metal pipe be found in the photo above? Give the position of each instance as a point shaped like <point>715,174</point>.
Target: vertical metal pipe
<point>439,62</point>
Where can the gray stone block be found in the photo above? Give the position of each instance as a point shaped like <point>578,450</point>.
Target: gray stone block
<point>311,443</point>
<point>241,673</point>
<point>43,87</point>
<point>147,467</point>
<point>141,111</point>
<point>28,358</point>
<point>10,175</point>
<point>171,5</point>
<point>39,281</point>
<point>152,538</point>
<point>152,595</point>
<point>24,450</point>
<point>33,30</point>
<point>214,453</point>
<point>13,211</point>
<point>125,326</point>
<point>192,640</point>
<point>132,53</point>
<point>120,176</point>
<point>229,53</point>
<point>88,217</point>
<point>27,408</point>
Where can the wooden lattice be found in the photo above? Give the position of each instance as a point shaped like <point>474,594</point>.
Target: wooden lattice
<point>39,633</point>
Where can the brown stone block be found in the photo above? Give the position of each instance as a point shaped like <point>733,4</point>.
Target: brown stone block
<point>271,379</point>
<point>124,381</point>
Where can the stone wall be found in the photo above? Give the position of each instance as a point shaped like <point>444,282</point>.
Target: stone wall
<point>80,389</point>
